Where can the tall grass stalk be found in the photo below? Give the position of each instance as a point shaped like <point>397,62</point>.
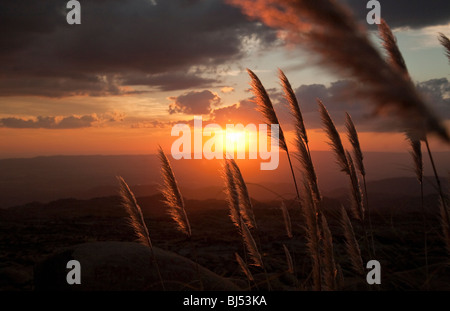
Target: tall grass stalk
<point>313,234</point>
<point>266,108</point>
<point>345,161</point>
<point>236,215</point>
<point>137,221</point>
<point>329,264</point>
<point>352,135</point>
<point>245,269</point>
<point>351,243</point>
<point>176,207</point>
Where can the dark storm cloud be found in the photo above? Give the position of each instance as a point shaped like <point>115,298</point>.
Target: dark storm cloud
<point>121,39</point>
<point>69,122</point>
<point>407,13</point>
<point>338,100</point>
<point>194,102</point>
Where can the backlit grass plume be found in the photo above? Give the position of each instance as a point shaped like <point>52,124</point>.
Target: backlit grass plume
<point>232,193</point>
<point>252,248</point>
<point>294,107</point>
<point>133,209</point>
<point>307,167</point>
<point>245,204</point>
<point>172,195</point>
<point>334,138</point>
<point>313,235</point>
<point>137,221</point>
<point>266,108</point>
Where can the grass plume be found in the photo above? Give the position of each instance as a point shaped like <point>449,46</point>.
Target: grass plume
<point>313,236</point>
<point>445,42</point>
<point>334,138</point>
<point>137,221</point>
<point>294,107</point>
<point>329,264</point>
<point>351,243</point>
<point>245,204</point>
<point>266,108</point>
<point>133,209</point>
<point>173,198</point>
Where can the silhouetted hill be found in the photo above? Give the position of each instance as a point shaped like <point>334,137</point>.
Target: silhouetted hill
<point>45,179</point>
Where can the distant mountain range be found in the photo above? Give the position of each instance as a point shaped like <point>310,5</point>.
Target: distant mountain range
<point>46,179</point>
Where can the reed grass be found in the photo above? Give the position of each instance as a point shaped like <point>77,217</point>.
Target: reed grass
<point>351,243</point>
<point>172,195</point>
<point>313,234</point>
<point>245,269</point>
<point>245,203</point>
<point>176,207</point>
<point>137,222</point>
<point>445,42</point>
<point>266,108</point>
<point>334,139</point>
<point>352,136</point>
<point>329,264</point>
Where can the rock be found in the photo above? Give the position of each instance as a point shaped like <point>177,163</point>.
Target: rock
<point>125,266</point>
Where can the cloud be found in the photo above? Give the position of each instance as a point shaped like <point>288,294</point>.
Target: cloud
<point>227,89</point>
<point>195,102</point>
<point>338,99</point>
<point>131,42</point>
<point>45,122</point>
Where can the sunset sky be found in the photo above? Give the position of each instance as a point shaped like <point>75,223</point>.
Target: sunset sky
<point>117,83</point>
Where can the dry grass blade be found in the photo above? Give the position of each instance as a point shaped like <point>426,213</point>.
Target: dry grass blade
<point>352,135</point>
<point>351,243</point>
<point>308,167</point>
<point>287,219</point>
<point>133,209</point>
<point>244,267</point>
<point>265,106</point>
<point>357,196</point>
<point>290,262</point>
<point>245,204</point>
<point>329,264</point>
<point>231,194</point>
<point>445,41</point>
<point>334,138</point>
<point>293,106</point>
<point>312,234</point>
<point>172,195</point>
<point>251,246</point>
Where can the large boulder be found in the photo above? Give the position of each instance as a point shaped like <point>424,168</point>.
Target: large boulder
<point>125,266</point>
